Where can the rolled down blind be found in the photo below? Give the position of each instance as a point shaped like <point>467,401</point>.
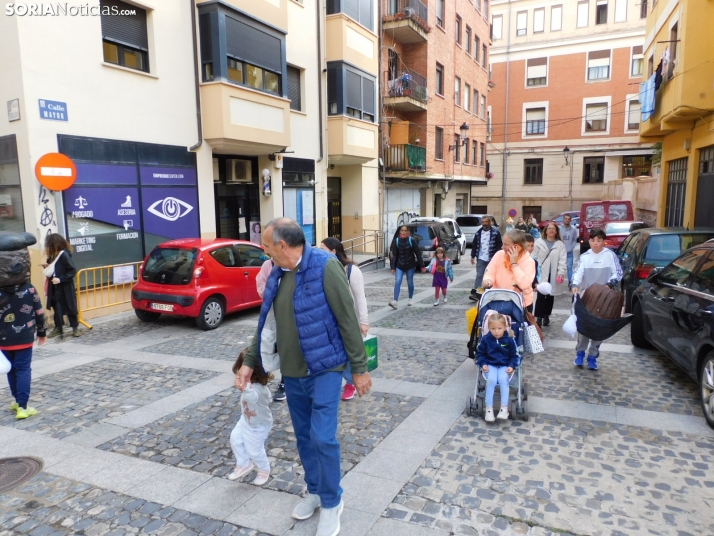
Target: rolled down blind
<point>204,27</point>
<point>294,88</point>
<point>253,45</point>
<point>634,114</point>
<point>127,30</point>
<point>368,96</point>
<point>354,90</point>
<point>599,58</point>
<point>536,114</point>
<point>597,112</point>
<point>537,67</point>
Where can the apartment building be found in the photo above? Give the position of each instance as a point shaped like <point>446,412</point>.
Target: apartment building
<point>435,84</point>
<point>565,107</point>
<point>189,119</point>
<point>680,114</point>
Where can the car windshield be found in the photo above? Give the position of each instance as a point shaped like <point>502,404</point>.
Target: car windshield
<point>468,221</point>
<point>617,228</point>
<point>664,248</point>
<point>422,232</point>
<point>170,266</point>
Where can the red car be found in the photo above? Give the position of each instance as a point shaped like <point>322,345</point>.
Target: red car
<point>617,231</point>
<point>203,279</point>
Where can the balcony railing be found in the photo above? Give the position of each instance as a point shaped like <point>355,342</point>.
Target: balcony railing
<point>406,158</point>
<point>413,10</point>
<point>406,84</point>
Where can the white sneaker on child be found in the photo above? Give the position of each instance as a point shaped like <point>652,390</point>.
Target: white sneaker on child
<point>261,478</point>
<point>489,415</point>
<point>240,472</point>
<point>409,302</point>
<point>446,300</point>
<point>436,303</point>
<point>502,414</point>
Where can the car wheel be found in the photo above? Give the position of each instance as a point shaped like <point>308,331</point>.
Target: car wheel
<point>707,382</point>
<point>637,329</point>
<point>211,314</point>
<point>457,260</point>
<point>146,316</point>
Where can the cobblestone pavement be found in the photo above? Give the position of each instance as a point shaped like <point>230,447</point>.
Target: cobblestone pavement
<point>115,330</point>
<point>82,396</point>
<point>197,437</point>
<point>456,297</point>
<point>409,359</point>
<point>558,475</point>
<point>49,505</point>
<point>43,353</point>
<point>423,319</point>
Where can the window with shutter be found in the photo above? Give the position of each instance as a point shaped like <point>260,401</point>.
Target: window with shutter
<point>368,98</point>
<point>497,28</point>
<point>620,10</point>
<point>521,23</point>
<point>599,65</point>
<point>535,121</point>
<point>556,18</point>
<point>124,37</point>
<point>638,61</point>
<point>583,8</point>
<point>350,92</point>
<point>539,20</point>
<point>596,117</point>
<point>536,71</point>
<point>205,29</point>
<point>633,115</point>
<point>333,105</point>
<point>294,93</point>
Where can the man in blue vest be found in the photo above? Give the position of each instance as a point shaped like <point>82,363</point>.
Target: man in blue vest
<point>317,335</point>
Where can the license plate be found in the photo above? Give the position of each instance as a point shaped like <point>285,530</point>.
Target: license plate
<point>162,307</point>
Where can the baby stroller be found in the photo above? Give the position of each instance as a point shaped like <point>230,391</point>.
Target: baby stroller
<point>510,304</point>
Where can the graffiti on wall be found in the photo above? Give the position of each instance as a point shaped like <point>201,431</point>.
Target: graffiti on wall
<point>405,217</point>
<point>47,216</point>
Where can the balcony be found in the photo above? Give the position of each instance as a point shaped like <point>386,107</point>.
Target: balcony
<point>348,41</point>
<point>406,21</point>
<point>405,158</point>
<point>351,141</point>
<point>244,121</point>
<point>681,101</point>
<point>405,91</point>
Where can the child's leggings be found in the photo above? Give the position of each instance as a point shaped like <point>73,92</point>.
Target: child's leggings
<point>248,443</point>
<point>493,376</point>
<point>436,292</point>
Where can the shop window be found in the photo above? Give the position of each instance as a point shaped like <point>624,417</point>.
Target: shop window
<point>593,170</point>
<point>533,171</point>
<point>124,35</point>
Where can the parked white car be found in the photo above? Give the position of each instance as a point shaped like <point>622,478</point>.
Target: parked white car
<point>451,225</point>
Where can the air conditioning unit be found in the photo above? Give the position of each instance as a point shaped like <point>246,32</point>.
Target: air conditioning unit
<point>240,171</point>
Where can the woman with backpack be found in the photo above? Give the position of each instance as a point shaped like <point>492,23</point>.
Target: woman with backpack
<point>404,258</point>
<point>355,279</point>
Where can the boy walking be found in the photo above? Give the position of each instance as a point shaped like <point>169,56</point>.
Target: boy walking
<point>597,265</point>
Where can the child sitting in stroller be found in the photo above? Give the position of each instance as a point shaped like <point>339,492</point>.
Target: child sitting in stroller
<point>498,357</point>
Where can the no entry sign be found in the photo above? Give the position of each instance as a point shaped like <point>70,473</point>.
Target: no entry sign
<point>512,213</point>
<point>55,171</point>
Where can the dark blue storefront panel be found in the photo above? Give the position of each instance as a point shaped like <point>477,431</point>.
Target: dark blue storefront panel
<point>108,174</point>
<point>169,213</point>
<point>163,176</point>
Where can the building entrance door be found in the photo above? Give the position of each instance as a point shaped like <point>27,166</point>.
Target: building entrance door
<point>235,183</point>
<point>703,215</point>
<point>334,207</point>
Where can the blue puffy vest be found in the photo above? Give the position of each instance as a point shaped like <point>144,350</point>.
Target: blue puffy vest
<point>318,331</point>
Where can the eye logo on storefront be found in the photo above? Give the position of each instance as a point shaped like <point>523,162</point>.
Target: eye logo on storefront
<point>171,208</point>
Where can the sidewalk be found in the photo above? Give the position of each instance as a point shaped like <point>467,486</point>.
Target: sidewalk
<point>134,420</point>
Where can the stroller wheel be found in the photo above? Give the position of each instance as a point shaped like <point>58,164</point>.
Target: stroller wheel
<point>469,406</point>
<point>525,415</point>
<point>524,390</point>
<point>512,409</point>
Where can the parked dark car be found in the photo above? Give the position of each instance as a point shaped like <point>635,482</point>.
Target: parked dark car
<point>674,311</point>
<point>654,247</point>
<point>617,231</point>
<point>432,235</point>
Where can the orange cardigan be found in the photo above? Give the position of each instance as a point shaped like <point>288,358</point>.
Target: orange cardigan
<point>522,275</point>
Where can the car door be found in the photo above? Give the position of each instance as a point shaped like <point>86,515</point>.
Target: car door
<point>667,300</point>
<point>251,259</point>
<point>227,279</point>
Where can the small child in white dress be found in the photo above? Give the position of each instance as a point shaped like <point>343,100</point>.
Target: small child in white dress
<point>249,435</point>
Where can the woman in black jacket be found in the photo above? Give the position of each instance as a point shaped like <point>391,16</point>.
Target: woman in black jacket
<point>404,258</point>
<point>61,292</point>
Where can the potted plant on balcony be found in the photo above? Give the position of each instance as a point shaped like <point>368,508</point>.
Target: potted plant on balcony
<point>489,175</point>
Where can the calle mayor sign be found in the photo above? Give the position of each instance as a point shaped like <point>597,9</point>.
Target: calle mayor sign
<point>53,110</point>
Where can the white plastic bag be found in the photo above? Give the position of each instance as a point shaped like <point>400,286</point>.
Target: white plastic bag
<point>571,326</point>
<point>5,365</point>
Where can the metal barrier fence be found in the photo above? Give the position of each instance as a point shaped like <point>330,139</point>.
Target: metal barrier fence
<point>104,286</point>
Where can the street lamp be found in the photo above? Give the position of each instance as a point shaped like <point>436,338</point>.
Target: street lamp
<point>566,154</point>
<point>463,130</point>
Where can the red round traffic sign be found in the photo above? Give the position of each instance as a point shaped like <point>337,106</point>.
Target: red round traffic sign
<point>55,171</point>
<point>512,213</point>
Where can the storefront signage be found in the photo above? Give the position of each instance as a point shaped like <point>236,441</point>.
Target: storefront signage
<point>170,212</point>
<point>55,171</point>
<point>108,174</point>
<point>163,176</point>
<point>53,110</point>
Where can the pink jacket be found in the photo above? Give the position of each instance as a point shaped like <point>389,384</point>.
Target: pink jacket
<point>522,275</point>
<point>262,278</point>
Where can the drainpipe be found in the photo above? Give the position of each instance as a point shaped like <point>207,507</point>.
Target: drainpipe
<point>505,128</point>
<point>319,74</point>
<point>195,78</point>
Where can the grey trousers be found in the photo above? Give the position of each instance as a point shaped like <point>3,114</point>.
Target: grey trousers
<point>480,270</point>
<point>584,342</point>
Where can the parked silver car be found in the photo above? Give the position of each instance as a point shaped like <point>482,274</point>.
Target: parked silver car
<point>470,223</point>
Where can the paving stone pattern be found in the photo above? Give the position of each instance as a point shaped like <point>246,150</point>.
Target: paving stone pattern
<point>49,505</point>
<point>456,297</point>
<point>555,330</point>
<point>421,281</point>
<point>80,397</point>
<point>425,319</point>
<point>638,381</point>
<point>225,342</point>
<point>414,360</point>
<point>559,475</point>
<point>44,352</point>
<point>197,437</point>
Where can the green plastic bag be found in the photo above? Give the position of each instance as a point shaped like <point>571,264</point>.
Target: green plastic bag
<point>370,346</point>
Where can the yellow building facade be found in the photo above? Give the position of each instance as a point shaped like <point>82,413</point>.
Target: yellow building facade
<point>679,53</point>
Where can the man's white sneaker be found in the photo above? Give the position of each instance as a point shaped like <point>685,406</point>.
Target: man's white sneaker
<point>393,304</point>
<point>305,508</point>
<point>446,300</point>
<point>502,414</point>
<point>436,303</point>
<point>409,302</point>
<point>489,415</point>
<point>329,524</point>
